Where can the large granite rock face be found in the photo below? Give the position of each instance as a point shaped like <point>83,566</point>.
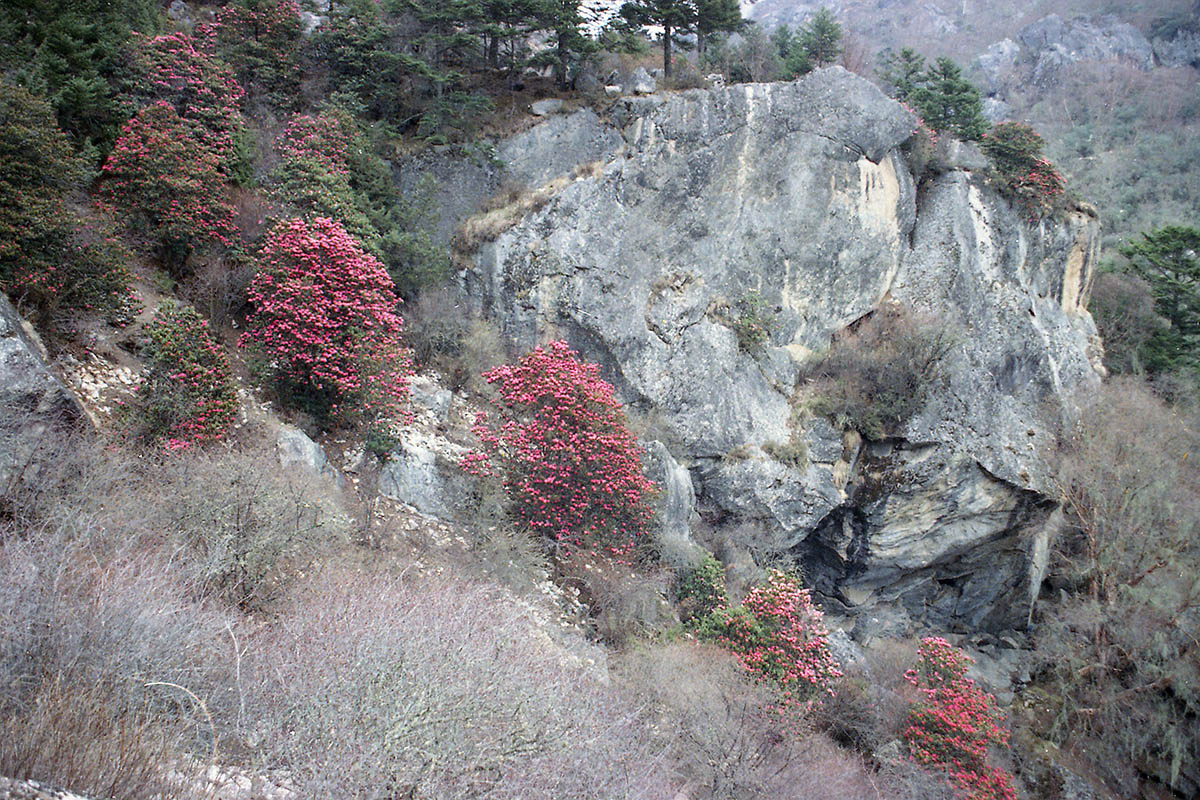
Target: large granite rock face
<point>37,407</point>
<point>801,193</point>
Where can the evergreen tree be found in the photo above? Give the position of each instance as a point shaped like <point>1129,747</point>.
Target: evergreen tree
<point>821,39</point>
<point>949,102</point>
<point>72,53</point>
<point>902,73</point>
<point>567,42</point>
<point>793,58</point>
<point>676,17</point>
<point>716,16</point>
<point>1169,259</point>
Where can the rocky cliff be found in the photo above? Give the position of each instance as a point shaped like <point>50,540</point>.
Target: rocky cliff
<point>802,193</point>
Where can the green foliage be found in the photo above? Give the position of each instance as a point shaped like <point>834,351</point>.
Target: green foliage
<point>676,17</point>
<point>701,590</point>
<point>260,40</point>
<point>821,38</point>
<point>792,55</point>
<point>752,320</point>
<point>52,260</point>
<point>1015,150</point>
<point>902,73</point>
<point>569,46</point>
<point>1169,260</point>
<point>947,101</point>
<point>187,396</point>
<point>716,16</point>
<point>72,52</point>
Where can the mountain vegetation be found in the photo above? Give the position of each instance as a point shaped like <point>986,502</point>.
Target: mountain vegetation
<point>218,563</point>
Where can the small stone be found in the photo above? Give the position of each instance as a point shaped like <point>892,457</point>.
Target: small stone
<point>544,108</point>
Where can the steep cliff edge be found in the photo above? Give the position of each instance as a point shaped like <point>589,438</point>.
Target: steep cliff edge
<point>801,192</point>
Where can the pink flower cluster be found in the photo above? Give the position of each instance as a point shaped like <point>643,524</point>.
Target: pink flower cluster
<point>325,315</point>
<point>159,170</point>
<point>571,465</point>
<point>781,637</point>
<point>187,396</point>
<point>325,138</point>
<point>954,722</point>
<point>199,86</point>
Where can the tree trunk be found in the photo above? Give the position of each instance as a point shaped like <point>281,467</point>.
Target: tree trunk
<point>666,51</point>
<point>493,55</point>
<point>562,59</point>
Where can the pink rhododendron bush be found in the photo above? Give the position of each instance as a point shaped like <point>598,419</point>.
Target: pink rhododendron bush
<point>954,723</point>
<point>187,395</point>
<point>326,323</point>
<point>159,174</point>
<point>781,638</point>
<point>570,464</point>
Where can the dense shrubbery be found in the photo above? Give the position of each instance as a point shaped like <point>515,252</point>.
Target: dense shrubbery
<point>878,373</point>
<point>186,396</point>
<point>169,185</point>
<point>326,319</point>
<point>201,88</point>
<point>562,445</point>
<point>52,260</point>
<point>779,636</point>
<point>701,590</point>
<point>953,723</point>
<point>260,39</point>
<point>73,52</point>
<point>1015,150</point>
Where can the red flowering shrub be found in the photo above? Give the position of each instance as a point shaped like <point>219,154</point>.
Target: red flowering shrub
<point>173,185</point>
<point>199,86</point>
<point>954,722</point>
<point>781,638</point>
<point>325,138</point>
<point>261,41</point>
<point>1015,150</point>
<point>572,467</point>
<point>325,318</point>
<point>187,396</point>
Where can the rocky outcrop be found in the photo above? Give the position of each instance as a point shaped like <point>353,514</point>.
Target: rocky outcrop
<point>801,193</point>
<point>38,407</point>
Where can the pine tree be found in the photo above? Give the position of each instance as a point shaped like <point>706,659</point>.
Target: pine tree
<point>949,102</point>
<point>567,40</point>
<point>821,38</point>
<point>903,73</point>
<point>1169,259</point>
<point>716,16</point>
<point>677,18</point>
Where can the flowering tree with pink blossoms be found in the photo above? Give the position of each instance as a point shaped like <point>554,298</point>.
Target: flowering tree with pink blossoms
<point>159,176</point>
<point>953,723</point>
<point>780,637</point>
<point>572,467</point>
<point>326,321</point>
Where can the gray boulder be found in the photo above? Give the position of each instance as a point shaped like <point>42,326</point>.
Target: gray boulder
<point>641,82</point>
<point>1056,43</point>
<point>799,191</point>
<point>296,451</point>
<point>423,472</point>
<point>996,64</point>
<point>546,107</point>
<point>38,409</point>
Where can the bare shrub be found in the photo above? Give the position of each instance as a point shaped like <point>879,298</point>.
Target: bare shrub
<point>878,372</point>
<point>727,744</point>
<point>1123,307</point>
<point>626,603</point>
<point>446,337</point>
<point>244,525</point>
<point>501,212</point>
<point>1121,649</point>
<point>376,687</point>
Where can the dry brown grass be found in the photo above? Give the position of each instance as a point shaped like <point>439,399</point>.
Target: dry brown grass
<point>501,213</point>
